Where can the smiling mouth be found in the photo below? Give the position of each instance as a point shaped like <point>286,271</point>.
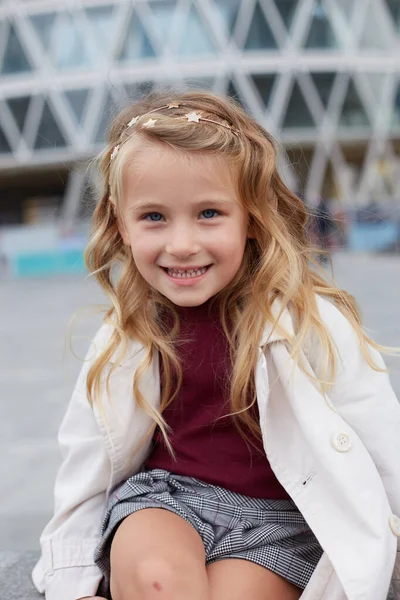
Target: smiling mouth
<point>186,274</point>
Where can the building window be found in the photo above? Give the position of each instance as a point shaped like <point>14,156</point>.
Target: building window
<point>163,12</point>
<point>19,108</point>
<point>260,35</point>
<point>77,100</point>
<point>298,115</point>
<point>287,10</point>
<point>195,40</point>
<point>396,108</point>
<point>49,134</point>
<point>137,44</point>
<point>320,33</point>
<point>227,10</point>
<point>43,26</point>
<point>264,85</point>
<point>5,147</point>
<point>324,84</point>
<point>353,111</point>
<point>101,21</point>
<point>69,48</point>
<point>15,58</point>
<point>394,8</point>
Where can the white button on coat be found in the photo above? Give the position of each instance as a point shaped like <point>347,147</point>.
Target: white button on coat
<point>394,523</point>
<point>341,442</point>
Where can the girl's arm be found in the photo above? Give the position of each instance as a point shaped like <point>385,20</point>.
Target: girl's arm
<point>366,400</point>
<point>66,570</point>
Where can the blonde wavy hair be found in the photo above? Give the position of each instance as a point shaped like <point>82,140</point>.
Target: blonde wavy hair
<point>277,263</point>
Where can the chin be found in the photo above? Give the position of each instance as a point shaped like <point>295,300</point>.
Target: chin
<point>188,303</point>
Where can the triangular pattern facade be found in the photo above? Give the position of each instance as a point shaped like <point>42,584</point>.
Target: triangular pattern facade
<point>260,35</point>
<point>321,33</point>
<point>228,10</point>
<point>298,114</point>
<point>15,59</point>
<point>316,73</point>
<point>19,108</point>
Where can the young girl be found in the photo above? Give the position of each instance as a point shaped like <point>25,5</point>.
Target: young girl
<point>233,434</point>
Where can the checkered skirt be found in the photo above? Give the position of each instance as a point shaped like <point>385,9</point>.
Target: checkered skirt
<point>271,533</point>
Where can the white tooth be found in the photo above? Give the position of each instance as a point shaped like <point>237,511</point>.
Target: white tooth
<point>179,273</point>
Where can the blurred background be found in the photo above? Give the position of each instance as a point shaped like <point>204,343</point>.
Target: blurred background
<point>323,76</point>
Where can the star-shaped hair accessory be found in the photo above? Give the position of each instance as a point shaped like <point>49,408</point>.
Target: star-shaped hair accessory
<point>114,152</point>
<point>193,117</point>
<point>132,121</point>
<point>150,123</point>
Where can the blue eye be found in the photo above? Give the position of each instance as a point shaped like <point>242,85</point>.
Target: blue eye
<point>150,217</point>
<point>209,213</point>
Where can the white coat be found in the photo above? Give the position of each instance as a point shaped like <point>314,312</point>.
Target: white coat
<point>338,458</point>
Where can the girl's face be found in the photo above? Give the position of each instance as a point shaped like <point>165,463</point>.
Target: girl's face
<point>184,222</point>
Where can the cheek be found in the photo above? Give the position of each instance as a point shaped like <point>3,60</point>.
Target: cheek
<point>232,241</point>
<point>144,248</point>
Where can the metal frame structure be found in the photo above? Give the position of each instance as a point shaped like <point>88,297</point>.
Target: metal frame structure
<point>318,74</point>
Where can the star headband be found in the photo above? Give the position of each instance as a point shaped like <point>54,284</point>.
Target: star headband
<point>191,117</point>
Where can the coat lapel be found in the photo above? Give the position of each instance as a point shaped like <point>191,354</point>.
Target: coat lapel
<point>280,328</point>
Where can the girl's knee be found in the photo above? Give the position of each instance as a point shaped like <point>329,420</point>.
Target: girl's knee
<point>159,578</point>
<point>156,578</point>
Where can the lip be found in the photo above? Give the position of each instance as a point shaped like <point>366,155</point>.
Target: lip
<point>185,281</point>
<point>187,267</point>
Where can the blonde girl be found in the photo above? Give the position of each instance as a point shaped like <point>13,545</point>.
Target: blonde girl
<point>233,433</point>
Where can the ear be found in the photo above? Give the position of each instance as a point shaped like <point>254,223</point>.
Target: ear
<point>123,232</point>
<point>120,223</point>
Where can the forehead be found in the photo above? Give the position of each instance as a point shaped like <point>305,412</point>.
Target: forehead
<point>163,169</point>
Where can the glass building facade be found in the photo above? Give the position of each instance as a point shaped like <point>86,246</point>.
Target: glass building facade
<point>323,76</point>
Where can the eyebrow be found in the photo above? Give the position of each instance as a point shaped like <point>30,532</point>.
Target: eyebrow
<point>148,205</point>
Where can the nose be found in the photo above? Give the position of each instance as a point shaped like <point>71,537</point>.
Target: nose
<point>182,243</point>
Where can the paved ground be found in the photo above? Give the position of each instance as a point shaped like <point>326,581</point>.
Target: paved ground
<point>36,385</point>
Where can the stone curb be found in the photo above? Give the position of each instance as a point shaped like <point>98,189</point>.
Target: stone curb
<point>15,576</point>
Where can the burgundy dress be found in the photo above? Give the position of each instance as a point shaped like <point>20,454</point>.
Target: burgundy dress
<point>208,447</point>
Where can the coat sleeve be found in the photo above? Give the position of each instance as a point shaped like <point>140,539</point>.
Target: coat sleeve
<point>365,399</point>
<point>66,569</point>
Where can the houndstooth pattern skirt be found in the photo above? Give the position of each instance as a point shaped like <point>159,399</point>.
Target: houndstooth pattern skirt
<point>271,533</point>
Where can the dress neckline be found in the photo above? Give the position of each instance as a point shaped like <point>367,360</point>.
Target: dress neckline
<point>207,311</point>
